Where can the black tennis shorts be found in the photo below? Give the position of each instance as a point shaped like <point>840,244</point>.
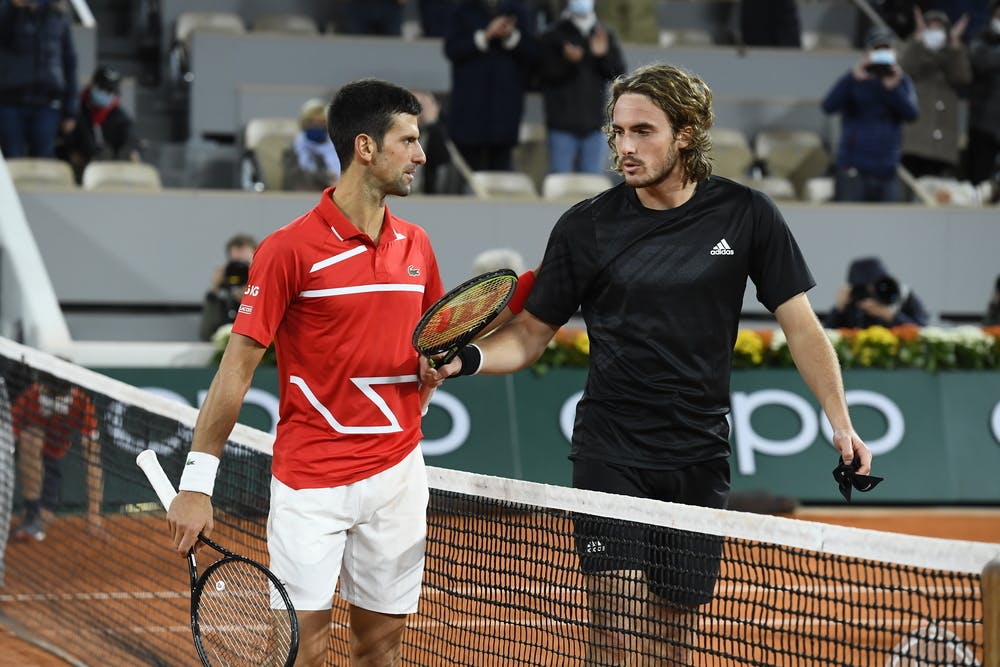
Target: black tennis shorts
<point>681,567</point>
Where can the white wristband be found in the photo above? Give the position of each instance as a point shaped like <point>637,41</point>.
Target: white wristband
<point>199,473</point>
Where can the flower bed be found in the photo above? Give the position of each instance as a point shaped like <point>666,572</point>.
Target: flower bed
<point>927,348</point>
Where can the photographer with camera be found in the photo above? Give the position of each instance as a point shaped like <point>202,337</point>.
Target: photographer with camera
<point>875,98</point>
<point>222,301</point>
<point>872,296</point>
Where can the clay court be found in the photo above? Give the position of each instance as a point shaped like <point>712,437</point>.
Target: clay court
<point>148,600</point>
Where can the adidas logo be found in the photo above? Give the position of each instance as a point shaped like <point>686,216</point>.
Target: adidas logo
<point>722,248</point>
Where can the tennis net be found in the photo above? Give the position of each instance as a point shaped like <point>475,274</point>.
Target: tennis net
<point>517,573</point>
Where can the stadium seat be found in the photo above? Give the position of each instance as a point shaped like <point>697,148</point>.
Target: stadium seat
<point>690,37</point>
<point>776,187</point>
<point>40,172</point>
<point>796,155</point>
<point>264,141</point>
<point>950,191</point>
<point>290,24</point>
<point>814,39</point>
<point>731,155</point>
<point>574,186</point>
<point>114,175</point>
<point>179,57</point>
<point>503,185</point>
<point>818,190</point>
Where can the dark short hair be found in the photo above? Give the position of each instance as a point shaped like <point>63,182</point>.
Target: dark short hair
<point>240,240</point>
<point>367,107</point>
<point>106,78</point>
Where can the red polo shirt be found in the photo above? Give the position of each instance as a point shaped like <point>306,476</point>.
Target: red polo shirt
<point>341,312</point>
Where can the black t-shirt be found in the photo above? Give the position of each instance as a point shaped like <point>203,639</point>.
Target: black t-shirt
<point>661,293</point>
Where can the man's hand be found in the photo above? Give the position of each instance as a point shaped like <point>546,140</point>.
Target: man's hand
<point>878,310</point>
<point>859,71</point>
<point>190,514</point>
<point>68,125</point>
<point>891,81</point>
<point>572,52</point>
<point>957,30</point>
<point>599,42</point>
<point>850,445</point>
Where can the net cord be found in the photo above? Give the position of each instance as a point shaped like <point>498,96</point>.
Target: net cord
<point>926,552</point>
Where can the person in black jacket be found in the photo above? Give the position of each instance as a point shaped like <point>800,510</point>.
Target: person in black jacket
<point>103,131</point>
<point>872,296</point>
<point>491,47</point>
<point>578,57</point>
<point>38,79</point>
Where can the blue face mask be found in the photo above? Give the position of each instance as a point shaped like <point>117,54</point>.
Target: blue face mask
<point>317,135</point>
<point>101,98</point>
<point>580,7</point>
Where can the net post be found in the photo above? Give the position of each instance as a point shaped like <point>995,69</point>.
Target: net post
<point>991,613</point>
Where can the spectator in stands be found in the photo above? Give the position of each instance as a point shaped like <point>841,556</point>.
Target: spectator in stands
<point>770,23</point>
<point>938,62</point>
<point>222,301</point>
<point>578,56</point>
<point>875,98</point>
<point>984,102</point>
<point>375,17</point>
<point>872,296</point>
<point>38,79</point>
<point>311,162</point>
<point>491,47</point>
<point>434,139</point>
<point>103,130</point>
<point>49,417</point>
<point>634,21</point>
<point>992,317</point>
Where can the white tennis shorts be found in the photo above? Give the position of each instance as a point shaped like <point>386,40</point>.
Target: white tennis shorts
<point>370,535</point>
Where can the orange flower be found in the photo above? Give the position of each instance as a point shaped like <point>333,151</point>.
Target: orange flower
<point>906,333</point>
<point>567,336</point>
<point>766,335</point>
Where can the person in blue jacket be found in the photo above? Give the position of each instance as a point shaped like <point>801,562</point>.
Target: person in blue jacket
<point>38,77</point>
<point>875,98</point>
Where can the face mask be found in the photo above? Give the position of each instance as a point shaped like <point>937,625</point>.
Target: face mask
<point>934,38</point>
<point>882,57</point>
<point>101,98</point>
<point>995,24</point>
<point>317,135</point>
<point>580,7</point>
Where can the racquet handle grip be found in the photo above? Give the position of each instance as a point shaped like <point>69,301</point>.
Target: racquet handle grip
<point>150,465</point>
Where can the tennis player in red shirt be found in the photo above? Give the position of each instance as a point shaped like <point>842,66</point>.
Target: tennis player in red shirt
<point>339,291</point>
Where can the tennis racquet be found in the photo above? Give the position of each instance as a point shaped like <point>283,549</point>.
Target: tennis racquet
<point>241,615</point>
<point>455,319</point>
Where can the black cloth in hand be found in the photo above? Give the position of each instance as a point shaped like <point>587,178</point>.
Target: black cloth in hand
<point>847,478</point>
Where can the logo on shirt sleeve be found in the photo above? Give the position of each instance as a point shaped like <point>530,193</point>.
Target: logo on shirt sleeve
<point>246,309</point>
<point>413,271</point>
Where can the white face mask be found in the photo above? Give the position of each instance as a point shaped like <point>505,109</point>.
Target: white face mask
<point>882,57</point>
<point>934,38</point>
<point>580,7</point>
<point>995,24</point>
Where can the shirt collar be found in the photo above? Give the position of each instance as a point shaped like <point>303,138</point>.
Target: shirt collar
<point>343,228</point>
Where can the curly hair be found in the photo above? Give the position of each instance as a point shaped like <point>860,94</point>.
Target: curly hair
<point>687,102</point>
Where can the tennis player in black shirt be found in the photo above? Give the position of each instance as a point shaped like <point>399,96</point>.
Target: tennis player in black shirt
<point>658,266</point>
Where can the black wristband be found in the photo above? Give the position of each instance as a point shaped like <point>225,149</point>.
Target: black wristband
<point>472,359</point>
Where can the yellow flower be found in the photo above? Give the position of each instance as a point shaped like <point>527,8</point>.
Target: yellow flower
<point>875,345</point>
<point>749,346</point>
<point>582,342</point>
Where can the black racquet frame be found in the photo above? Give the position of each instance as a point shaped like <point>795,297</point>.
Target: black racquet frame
<point>149,464</point>
<point>452,345</point>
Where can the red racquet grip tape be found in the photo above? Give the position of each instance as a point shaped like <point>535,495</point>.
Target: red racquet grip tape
<point>521,292</point>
